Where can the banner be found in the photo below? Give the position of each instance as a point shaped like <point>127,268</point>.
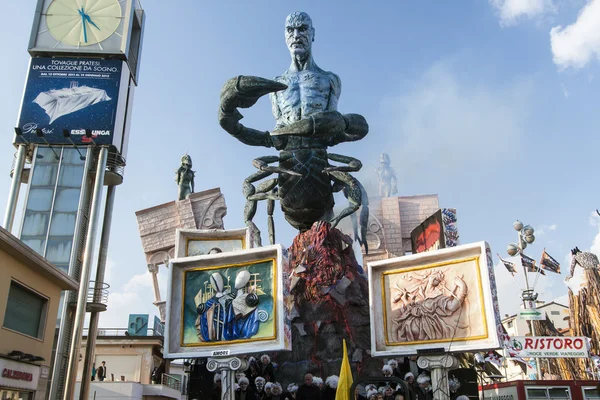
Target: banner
<point>550,346</point>
<point>529,263</point>
<point>549,264</point>
<point>159,327</point>
<point>509,265</point>
<point>73,95</point>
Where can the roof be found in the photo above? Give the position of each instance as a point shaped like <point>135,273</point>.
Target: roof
<point>26,255</point>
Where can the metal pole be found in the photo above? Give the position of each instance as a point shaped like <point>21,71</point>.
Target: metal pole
<point>15,186</point>
<point>538,369</point>
<point>85,277</point>
<point>90,346</point>
<point>65,329</point>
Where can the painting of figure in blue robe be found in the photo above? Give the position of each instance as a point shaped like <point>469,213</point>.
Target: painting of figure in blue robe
<point>229,303</point>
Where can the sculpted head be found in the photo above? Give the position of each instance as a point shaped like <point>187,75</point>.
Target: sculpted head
<point>186,161</point>
<point>299,33</point>
<point>384,159</point>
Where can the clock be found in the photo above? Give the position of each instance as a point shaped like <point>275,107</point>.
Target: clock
<point>104,28</point>
<point>83,22</point>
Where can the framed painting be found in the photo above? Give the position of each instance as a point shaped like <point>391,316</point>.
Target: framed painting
<point>227,303</point>
<point>443,299</point>
<point>194,242</point>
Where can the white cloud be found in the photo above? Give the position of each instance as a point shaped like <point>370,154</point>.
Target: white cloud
<point>461,117</point>
<point>544,229</point>
<point>576,44</point>
<point>134,297</point>
<point>511,11</point>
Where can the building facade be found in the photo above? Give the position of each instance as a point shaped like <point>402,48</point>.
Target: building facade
<point>30,292</point>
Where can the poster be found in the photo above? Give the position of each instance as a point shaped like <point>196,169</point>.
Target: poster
<point>72,94</point>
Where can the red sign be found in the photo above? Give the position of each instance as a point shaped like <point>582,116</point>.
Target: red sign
<point>550,346</point>
<point>17,375</point>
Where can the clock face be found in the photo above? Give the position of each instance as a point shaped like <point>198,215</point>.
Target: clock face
<point>83,22</point>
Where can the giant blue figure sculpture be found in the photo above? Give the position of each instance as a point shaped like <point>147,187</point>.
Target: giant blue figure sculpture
<point>304,100</point>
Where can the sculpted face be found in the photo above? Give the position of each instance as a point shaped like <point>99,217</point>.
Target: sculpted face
<point>299,34</point>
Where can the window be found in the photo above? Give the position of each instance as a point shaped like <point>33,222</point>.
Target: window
<point>548,393</point>
<point>554,312</point>
<point>509,324</point>
<point>25,311</point>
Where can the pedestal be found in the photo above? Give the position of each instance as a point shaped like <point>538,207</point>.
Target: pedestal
<point>227,366</point>
<point>439,367</point>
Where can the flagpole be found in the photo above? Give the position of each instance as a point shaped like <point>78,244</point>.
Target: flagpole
<point>527,294</point>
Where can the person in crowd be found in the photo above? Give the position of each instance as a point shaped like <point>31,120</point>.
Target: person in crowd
<point>266,368</point>
<point>318,382</point>
<point>259,383</point>
<point>387,371</point>
<point>389,393</point>
<point>292,389</point>
<point>102,372</point>
<point>308,391</point>
<point>330,387</point>
<point>409,378</point>
<point>93,371</point>
<point>244,390</point>
<point>373,394</point>
<point>216,393</point>
<point>276,392</point>
<point>395,370</point>
<point>268,387</point>
<point>424,386</point>
<point>252,372</point>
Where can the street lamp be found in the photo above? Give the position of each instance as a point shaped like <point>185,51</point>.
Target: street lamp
<point>524,237</point>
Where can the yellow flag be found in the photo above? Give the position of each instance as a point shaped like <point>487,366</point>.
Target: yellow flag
<point>345,381</point>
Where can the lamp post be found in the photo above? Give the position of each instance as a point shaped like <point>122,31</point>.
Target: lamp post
<point>524,237</point>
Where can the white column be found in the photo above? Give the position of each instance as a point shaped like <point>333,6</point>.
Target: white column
<point>439,367</point>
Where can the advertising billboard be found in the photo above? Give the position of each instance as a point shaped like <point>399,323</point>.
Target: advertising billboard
<point>438,231</point>
<point>69,96</point>
<point>429,235</point>
<point>227,303</point>
<point>443,299</point>
<point>138,325</point>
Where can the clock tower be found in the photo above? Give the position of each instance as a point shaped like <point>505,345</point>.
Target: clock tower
<point>71,137</point>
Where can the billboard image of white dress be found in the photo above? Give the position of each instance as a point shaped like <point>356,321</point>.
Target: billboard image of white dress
<point>60,102</point>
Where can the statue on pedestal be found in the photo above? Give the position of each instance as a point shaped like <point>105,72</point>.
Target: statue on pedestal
<point>386,177</point>
<point>327,299</point>
<point>185,178</point>
<point>304,101</point>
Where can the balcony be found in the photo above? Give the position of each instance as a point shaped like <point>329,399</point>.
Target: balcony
<point>97,298</point>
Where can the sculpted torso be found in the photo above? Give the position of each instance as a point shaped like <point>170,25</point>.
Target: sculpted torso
<point>308,92</point>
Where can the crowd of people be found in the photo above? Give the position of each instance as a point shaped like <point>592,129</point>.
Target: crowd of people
<point>259,382</point>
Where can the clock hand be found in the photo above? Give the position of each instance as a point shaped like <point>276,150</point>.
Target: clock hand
<point>88,19</point>
<point>83,23</point>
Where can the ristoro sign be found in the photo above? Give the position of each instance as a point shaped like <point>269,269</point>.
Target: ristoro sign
<point>551,346</point>
<point>72,94</point>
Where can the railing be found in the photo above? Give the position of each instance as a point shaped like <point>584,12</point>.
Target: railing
<point>171,381</point>
<point>98,292</point>
<point>118,332</point>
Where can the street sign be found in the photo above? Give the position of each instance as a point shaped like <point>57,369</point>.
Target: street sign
<point>532,315</point>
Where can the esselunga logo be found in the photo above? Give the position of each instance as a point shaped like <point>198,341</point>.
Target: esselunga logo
<point>95,132</point>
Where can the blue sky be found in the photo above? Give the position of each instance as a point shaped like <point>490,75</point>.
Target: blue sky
<point>491,104</point>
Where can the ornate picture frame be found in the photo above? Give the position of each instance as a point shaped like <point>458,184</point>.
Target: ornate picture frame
<point>227,303</point>
<point>444,299</point>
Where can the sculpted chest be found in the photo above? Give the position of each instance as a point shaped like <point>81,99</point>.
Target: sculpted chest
<point>308,92</point>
